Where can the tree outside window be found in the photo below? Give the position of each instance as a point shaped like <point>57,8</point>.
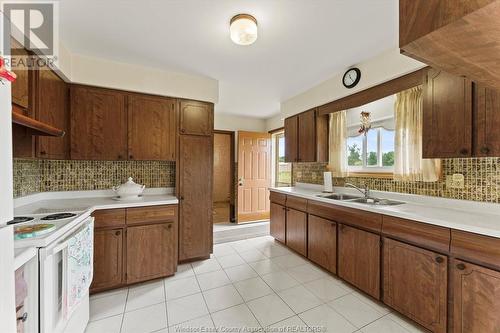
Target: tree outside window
<point>372,152</point>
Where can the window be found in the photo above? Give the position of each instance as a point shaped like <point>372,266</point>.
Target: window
<point>373,152</point>
<point>282,170</point>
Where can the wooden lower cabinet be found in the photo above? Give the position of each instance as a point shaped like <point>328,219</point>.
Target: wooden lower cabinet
<point>415,283</point>
<point>296,230</point>
<point>322,242</point>
<point>150,252</point>
<point>359,259</point>
<point>278,222</point>
<point>476,298</point>
<point>108,259</point>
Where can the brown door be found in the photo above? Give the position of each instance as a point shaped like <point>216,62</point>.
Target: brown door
<point>196,118</point>
<point>278,222</point>
<point>151,128</point>
<point>447,116</point>
<point>415,283</point>
<point>254,176</point>
<point>291,139</point>
<point>487,122</point>
<point>98,124</point>
<point>108,259</point>
<point>150,252</point>
<point>296,230</point>
<point>322,242</point>
<point>195,206</point>
<point>476,298</point>
<point>52,108</point>
<point>359,259</point>
<point>307,136</point>
<point>223,176</point>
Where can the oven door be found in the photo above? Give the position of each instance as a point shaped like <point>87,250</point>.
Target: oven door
<point>55,275</point>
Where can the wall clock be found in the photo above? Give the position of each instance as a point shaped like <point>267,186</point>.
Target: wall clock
<point>351,77</point>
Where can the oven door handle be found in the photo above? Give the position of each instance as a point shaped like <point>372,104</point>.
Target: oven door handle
<point>64,244</point>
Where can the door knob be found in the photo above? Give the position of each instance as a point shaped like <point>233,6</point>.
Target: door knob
<point>241,182</point>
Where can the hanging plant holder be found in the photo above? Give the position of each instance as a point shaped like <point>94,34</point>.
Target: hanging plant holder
<point>366,122</point>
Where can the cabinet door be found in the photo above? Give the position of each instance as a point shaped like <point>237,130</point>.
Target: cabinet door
<point>415,283</point>
<point>322,242</point>
<point>487,122</point>
<point>447,116</point>
<point>98,124</point>
<point>52,108</point>
<point>476,298</point>
<point>108,259</point>
<point>359,259</point>
<point>150,252</point>
<point>307,136</point>
<point>278,222</point>
<point>291,139</point>
<point>195,191</point>
<point>21,87</point>
<point>196,118</point>
<point>296,230</point>
<point>151,128</point>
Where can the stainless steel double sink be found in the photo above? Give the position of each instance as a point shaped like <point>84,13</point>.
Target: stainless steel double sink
<point>360,199</point>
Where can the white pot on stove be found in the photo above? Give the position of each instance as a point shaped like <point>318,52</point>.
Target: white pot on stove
<point>129,190</point>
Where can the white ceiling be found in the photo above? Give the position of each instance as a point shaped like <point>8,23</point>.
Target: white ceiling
<point>301,42</point>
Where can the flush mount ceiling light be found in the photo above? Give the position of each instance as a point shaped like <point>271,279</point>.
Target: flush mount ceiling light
<point>243,28</point>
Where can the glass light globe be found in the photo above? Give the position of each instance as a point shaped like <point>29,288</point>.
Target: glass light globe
<point>243,28</point>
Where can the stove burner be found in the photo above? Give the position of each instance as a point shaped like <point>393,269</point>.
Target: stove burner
<point>20,219</point>
<point>58,216</point>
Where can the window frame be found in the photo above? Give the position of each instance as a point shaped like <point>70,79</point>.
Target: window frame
<point>276,139</point>
<point>365,169</point>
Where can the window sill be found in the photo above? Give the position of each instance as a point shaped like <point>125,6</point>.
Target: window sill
<point>384,175</point>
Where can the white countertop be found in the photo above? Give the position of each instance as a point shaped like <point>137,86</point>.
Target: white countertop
<point>476,217</point>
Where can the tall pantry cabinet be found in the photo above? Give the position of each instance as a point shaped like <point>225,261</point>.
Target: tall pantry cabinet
<point>194,179</point>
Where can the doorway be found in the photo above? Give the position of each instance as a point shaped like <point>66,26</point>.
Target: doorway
<point>223,188</point>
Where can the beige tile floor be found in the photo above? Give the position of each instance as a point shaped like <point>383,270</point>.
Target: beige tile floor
<point>250,284</point>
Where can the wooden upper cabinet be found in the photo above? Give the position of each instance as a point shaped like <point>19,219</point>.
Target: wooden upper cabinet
<point>291,139</point>
<point>52,108</point>
<point>21,87</point>
<point>487,121</point>
<point>196,118</point>
<point>296,230</point>
<point>195,205</point>
<point>322,242</point>
<point>359,259</point>
<point>108,259</point>
<point>277,227</point>
<point>151,128</point>
<point>447,116</point>
<point>150,252</point>
<point>98,124</point>
<point>306,137</point>
<point>415,283</point>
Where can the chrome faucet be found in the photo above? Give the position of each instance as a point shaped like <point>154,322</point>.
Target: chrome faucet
<point>365,191</point>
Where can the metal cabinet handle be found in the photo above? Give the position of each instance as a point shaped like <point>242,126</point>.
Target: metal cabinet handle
<point>464,151</point>
<point>118,232</point>
<point>183,130</point>
<point>43,152</point>
<point>485,150</point>
<point>460,266</point>
<point>131,157</point>
<point>439,260</point>
<point>23,318</point>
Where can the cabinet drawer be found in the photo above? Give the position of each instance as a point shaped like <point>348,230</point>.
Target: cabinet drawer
<point>278,198</point>
<point>109,218</point>
<point>426,235</point>
<point>151,214</point>
<point>296,203</point>
<point>482,249</point>
<point>355,217</point>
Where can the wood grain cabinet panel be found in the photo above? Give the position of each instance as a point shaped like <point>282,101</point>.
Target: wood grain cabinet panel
<point>322,242</point>
<point>415,283</point>
<point>195,206</point>
<point>475,298</point>
<point>296,230</point>
<point>150,252</point>
<point>109,218</point>
<point>359,259</point>
<point>479,249</point>
<point>21,87</point>
<point>108,259</point>
<point>52,108</point>
<point>307,136</point>
<point>291,139</point>
<point>196,118</point>
<point>447,116</point>
<point>151,214</point>
<point>278,198</point>
<point>487,121</point>
<point>277,226</point>
<point>98,124</point>
<point>151,128</point>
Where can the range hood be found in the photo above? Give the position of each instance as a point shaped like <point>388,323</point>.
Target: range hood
<point>36,127</point>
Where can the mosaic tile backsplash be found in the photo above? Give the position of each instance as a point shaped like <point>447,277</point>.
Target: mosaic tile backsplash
<point>482,180</point>
<point>32,176</point>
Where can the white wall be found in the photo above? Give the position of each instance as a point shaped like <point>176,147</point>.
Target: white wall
<point>238,123</point>
<point>275,122</point>
<point>387,66</point>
